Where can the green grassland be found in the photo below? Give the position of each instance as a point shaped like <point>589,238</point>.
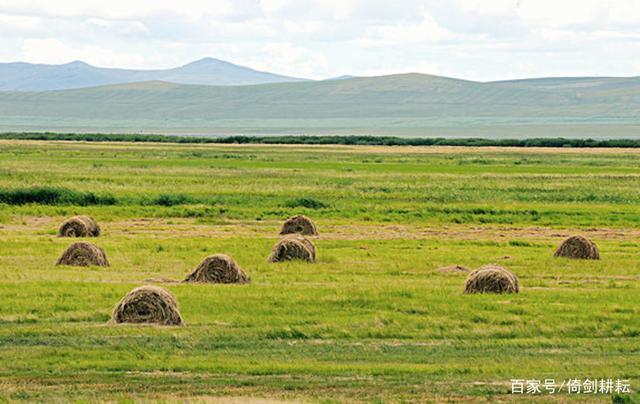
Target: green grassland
<point>373,320</point>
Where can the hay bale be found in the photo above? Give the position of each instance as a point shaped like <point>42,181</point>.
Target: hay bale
<point>293,247</point>
<point>218,268</point>
<point>302,239</point>
<point>83,254</point>
<point>148,304</point>
<point>514,277</point>
<point>492,279</point>
<point>299,224</point>
<point>578,247</point>
<point>79,226</point>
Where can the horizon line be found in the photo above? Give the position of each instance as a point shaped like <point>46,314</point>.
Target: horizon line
<point>346,76</point>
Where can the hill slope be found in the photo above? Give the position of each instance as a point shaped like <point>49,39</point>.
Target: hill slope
<point>408,104</point>
<point>208,71</point>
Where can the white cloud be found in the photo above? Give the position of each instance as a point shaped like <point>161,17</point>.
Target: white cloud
<point>120,9</point>
<point>426,30</point>
<point>122,27</point>
<point>488,7</point>
<point>19,23</point>
<point>479,39</point>
<point>626,12</point>
<point>565,13</point>
<point>53,51</point>
<point>292,60</point>
<point>325,9</point>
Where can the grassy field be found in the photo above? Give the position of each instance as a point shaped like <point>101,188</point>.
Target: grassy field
<point>373,320</point>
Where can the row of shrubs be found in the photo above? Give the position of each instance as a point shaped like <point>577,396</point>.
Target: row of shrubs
<point>325,140</point>
<point>65,196</point>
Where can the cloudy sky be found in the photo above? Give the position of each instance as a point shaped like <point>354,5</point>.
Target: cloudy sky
<point>474,39</point>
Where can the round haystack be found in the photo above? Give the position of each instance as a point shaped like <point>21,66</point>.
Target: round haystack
<point>148,304</point>
<point>218,268</point>
<point>299,224</point>
<point>79,226</point>
<point>302,239</point>
<point>512,276</point>
<point>578,247</point>
<point>293,247</point>
<point>492,279</point>
<point>83,254</point>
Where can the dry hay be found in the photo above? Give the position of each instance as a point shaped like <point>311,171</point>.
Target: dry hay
<point>492,279</point>
<point>308,243</point>
<point>79,226</point>
<point>513,276</point>
<point>293,247</point>
<point>218,268</point>
<point>148,304</point>
<point>299,224</point>
<point>578,247</point>
<point>453,269</point>
<point>83,254</point>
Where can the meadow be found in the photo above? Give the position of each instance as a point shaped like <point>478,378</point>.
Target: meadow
<point>373,320</point>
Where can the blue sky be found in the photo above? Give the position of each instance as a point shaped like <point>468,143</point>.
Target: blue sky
<point>479,40</point>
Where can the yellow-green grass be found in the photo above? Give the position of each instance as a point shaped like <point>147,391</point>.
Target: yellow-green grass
<point>372,320</point>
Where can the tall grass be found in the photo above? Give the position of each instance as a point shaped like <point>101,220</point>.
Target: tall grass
<point>53,196</point>
<point>310,203</point>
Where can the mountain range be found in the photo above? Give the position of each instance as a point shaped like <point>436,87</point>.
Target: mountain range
<point>402,105</point>
<point>22,76</point>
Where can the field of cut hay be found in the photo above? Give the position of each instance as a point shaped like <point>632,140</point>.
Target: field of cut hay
<point>375,310</point>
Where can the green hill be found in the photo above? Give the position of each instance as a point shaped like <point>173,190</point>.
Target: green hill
<point>407,104</point>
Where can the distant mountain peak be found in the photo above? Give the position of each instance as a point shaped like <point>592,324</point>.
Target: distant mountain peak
<point>207,61</point>
<point>78,74</point>
<point>77,63</point>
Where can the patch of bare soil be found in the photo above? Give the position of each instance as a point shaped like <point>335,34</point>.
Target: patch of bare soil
<point>498,233</point>
<point>234,400</point>
<point>161,279</point>
<point>454,269</point>
<point>174,227</point>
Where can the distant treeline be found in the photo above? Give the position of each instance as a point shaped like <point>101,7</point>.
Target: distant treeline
<point>326,140</point>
